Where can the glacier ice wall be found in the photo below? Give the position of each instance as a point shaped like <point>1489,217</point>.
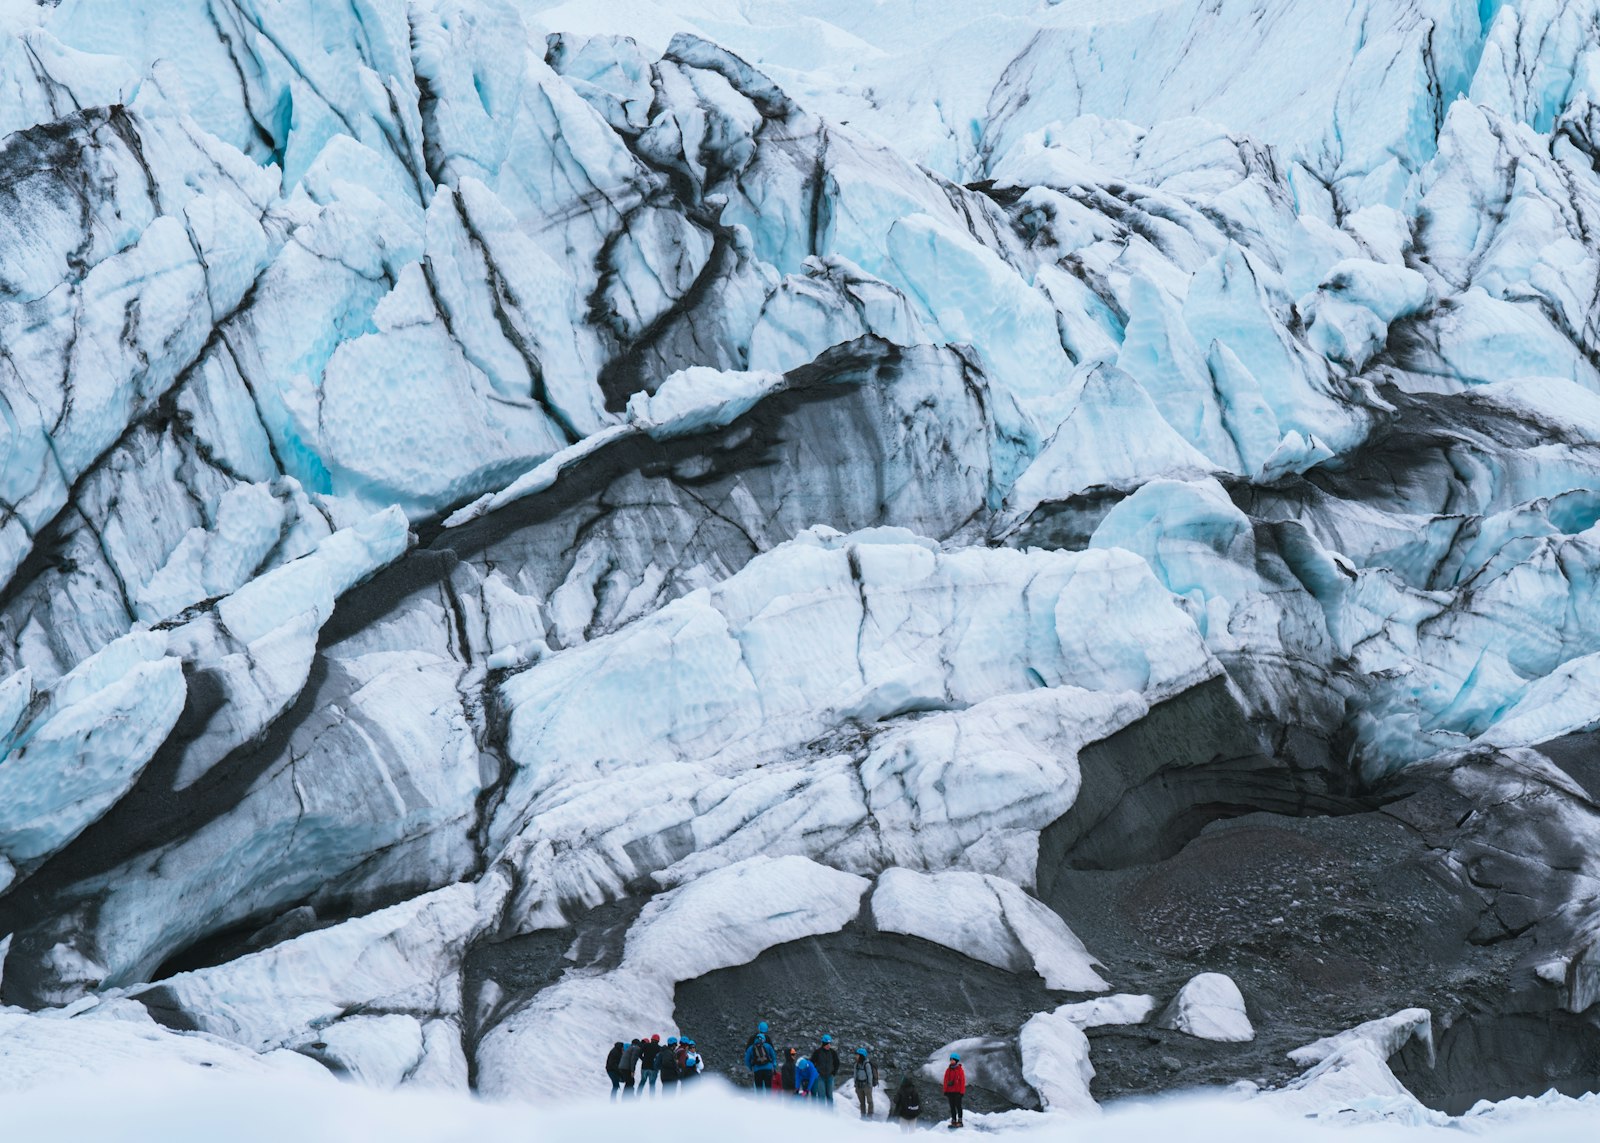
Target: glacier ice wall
<point>567,454</point>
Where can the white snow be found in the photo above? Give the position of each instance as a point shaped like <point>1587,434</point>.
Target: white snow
<point>1104,1011</point>
<point>692,400</point>
<point>313,584</point>
<point>552,1047</point>
<point>1112,437</point>
<point>988,919</point>
<point>540,477</point>
<point>99,1093</point>
<point>1210,1007</point>
<point>1302,351</point>
<point>867,627</point>
<point>41,1052</point>
<point>395,1049</point>
<point>1352,1086</point>
<point>1385,1036</point>
<point>1055,1062</point>
<point>406,958</point>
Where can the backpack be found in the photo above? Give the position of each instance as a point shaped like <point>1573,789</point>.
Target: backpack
<point>863,1070</point>
<point>911,1106</point>
<point>761,1054</point>
<point>669,1065</point>
<point>691,1063</point>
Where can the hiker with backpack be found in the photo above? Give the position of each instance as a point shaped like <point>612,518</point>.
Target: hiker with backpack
<point>667,1065</point>
<point>762,1062</point>
<point>649,1070</point>
<point>614,1067</point>
<point>866,1077</point>
<point>955,1088</point>
<point>805,1077</point>
<point>907,1104</point>
<point>762,1030</point>
<point>826,1060</point>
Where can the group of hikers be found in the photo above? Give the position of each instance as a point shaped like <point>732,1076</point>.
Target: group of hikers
<point>634,1066</point>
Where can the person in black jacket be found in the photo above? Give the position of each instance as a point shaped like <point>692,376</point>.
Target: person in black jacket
<point>669,1067</point>
<point>791,1056</point>
<point>907,1104</point>
<point>614,1067</point>
<point>826,1059</point>
<point>649,1053</point>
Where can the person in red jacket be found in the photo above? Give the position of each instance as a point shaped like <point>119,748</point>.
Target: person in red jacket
<point>955,1086</point>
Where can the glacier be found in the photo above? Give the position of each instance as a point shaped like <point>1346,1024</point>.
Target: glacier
<point>1063,530</point>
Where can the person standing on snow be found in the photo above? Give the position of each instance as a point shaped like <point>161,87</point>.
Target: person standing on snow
<point>614,1067</point>
<point>805,1077</point>
<point>649,1065</point>
<point>691,1063</point>
<point>630,1065</point>
<point>762,1061</point>
<point>866,1076</point>
<point>907,1104</point>
<point>826,1059</point>
<point>955,1087</point>
<point>790,1058</point>
<point>667,1064</point>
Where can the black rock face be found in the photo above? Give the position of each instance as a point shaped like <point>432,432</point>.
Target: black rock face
<point>900,997</point>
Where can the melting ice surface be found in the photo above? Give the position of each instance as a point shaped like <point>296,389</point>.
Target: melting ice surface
<point>515,515</point>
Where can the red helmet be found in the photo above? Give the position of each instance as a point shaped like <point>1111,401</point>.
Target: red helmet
<point>656,1039</point>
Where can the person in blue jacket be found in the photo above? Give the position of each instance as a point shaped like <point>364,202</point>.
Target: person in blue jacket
<point>762,1060</point>
<point>805,1076</point>
<point>692,1063</point>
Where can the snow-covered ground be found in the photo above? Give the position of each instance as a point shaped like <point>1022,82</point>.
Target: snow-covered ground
<point>150,1103</point>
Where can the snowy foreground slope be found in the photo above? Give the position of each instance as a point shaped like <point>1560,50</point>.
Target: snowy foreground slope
<point>153,1102</point>
<point>1067,529</point>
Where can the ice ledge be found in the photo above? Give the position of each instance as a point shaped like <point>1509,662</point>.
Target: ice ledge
<point>689,401</point>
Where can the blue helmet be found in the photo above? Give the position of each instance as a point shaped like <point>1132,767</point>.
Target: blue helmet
<point>861,1051</point>
<point>955,1057</point>
<point>689,1043</point>
<point>761,1027</point>
<point>761,1038</point>
<point>827,1039</point>
<point>672,1039</point>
